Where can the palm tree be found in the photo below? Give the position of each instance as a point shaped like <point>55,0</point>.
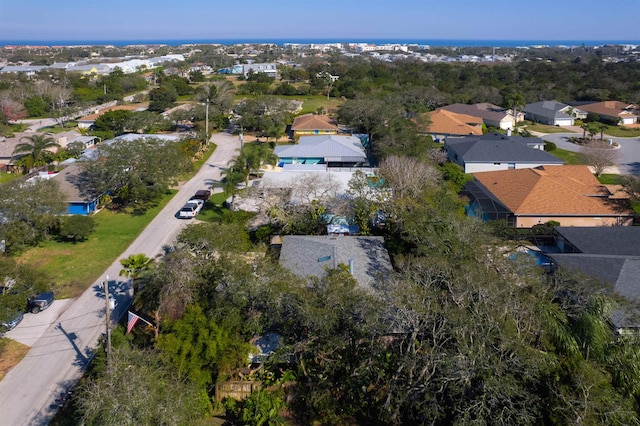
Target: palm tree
<point>515,100</point>
<point>133,267</point>
<point>601,127</point>
<point>584,127</point>
<point>232,178</point>
<point>35,149</point>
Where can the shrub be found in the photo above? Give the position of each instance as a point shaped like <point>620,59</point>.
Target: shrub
<point>76,228</point>
<point>549,146</point>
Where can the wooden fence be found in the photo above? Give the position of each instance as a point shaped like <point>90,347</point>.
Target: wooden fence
<point>236,389</point>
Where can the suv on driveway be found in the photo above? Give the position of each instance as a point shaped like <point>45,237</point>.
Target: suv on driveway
<point>40,302</point>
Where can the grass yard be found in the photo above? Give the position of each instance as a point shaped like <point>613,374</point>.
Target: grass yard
<point>313,103</point>
<point>74,267</point>
<point>621,132</point>
<point>609,179</point>
<point>6,177</point>
<point>569,157</point>
<point>68,126</point>
<point>310,103</point>
<point>544,128</point>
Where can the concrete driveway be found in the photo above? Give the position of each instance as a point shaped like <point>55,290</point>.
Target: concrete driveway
<point>33,326</point>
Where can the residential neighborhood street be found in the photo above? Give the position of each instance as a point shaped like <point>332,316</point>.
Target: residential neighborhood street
<point>59,356</point>
<point>629,152</point>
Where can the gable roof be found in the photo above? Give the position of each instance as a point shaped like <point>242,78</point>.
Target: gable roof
<point>500,148</point>
<point>565,190</point>
<point>451,123</point>
<point>71,184</point>
<point>329,147</point>
<point>309,256</point>
<point>550,109</point>
<point>313,122</point>
<point>611,108</point>
<point>483,110</point>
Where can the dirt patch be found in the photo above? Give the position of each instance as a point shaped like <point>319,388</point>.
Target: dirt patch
<point>11,353</point>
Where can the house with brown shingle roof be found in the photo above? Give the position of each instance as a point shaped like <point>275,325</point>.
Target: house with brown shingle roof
<point>570,195</point>
<point>614,111</point>
<point>445,123</point>
<point>313,124</point>
<point>492,115</point>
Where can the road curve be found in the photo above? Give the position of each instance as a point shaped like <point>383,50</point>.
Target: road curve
<point>628,161</point>
<point>54,364</point>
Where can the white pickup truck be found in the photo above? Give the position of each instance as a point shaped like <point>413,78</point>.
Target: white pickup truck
<point>190,209</point>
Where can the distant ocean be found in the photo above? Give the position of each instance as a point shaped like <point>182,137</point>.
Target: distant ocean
<point>282,41</point>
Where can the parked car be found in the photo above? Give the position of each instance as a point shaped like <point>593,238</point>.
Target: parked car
<point>40,301</point>
<point>202,194</point>
<point>12,322</point>
<point>190,209</point>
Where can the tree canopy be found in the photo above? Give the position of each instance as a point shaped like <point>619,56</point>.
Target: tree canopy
<point>137,172</point>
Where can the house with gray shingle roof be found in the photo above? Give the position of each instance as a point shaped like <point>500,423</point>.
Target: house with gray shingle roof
<point>332,150</point>
<point>609,254</point>
<point>366,257</point>
<point>553,113</point>
<point>80,200</point>
<point>498,152</point>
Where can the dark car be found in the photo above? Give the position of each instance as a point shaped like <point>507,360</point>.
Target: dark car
<point>202,194</point>
<point>40,301</point>
<point>12,322</point>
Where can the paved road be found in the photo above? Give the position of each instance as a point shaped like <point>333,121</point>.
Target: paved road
<point>57,359</point>
<point>628,161</point>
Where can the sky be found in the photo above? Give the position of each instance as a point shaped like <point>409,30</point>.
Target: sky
<point>44,20</point>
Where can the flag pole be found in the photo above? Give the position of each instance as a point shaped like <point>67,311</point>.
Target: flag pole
<point>108,322</point>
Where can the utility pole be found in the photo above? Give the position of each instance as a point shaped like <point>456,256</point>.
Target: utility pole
<point>207,123</point>
<point>108,321</point>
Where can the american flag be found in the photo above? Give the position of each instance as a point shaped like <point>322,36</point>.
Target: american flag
<point>133,319</point>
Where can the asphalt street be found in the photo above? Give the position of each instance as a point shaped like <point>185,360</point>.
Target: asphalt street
<point>628,161</point>
<point>29,393</point>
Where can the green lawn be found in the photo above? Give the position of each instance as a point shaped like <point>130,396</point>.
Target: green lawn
<point>74,267</point>
<point>313,103</point>
<point>68,126</point>
<point>309,103</point>
<point>569,157</point>
<point>609,179</point>
<point>543,128</point>
<point>621,132</point>
<point>6,177</point>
